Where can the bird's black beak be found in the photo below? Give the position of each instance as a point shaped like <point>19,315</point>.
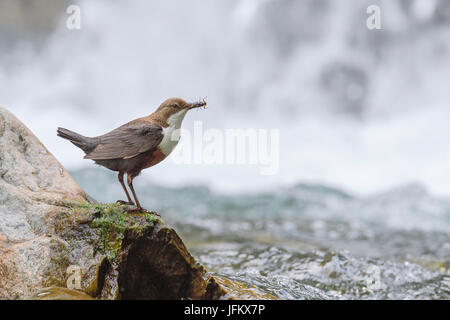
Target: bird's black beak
<point>199,104</point>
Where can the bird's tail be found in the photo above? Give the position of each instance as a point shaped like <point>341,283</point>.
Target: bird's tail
<point>84,143</point>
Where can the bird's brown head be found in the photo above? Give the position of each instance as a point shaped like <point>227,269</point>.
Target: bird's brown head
<point>176,106</point>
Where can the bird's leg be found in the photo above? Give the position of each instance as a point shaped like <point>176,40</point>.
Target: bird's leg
<point>138,205</point>
<point>130,185</point>
<point>120,176</point>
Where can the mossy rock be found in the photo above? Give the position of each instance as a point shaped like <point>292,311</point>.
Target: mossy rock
<point>114,222</point>
<point>133,256</point>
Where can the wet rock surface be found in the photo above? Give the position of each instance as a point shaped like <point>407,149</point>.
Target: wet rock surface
<point>57,293</point>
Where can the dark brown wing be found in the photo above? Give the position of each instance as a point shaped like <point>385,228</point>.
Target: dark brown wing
<point>127,141</point>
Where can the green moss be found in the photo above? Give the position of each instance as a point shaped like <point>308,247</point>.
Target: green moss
<point>151,218</point>
<point>114,222</point>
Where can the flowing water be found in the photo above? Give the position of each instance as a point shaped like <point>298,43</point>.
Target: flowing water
<point>307,241</point>
<point>365,111</point>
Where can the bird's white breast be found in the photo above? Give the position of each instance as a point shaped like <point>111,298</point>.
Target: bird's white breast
<point>171,134</point>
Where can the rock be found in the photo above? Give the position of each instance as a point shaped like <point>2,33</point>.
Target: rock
<point>142,258</point>
<point>237,291</point>
<point>34,187</point>
<point>53,235</point>
<point>57,293</point>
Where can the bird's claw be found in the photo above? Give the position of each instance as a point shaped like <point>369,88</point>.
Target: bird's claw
<point>142,210</point>
<point>131,203</point>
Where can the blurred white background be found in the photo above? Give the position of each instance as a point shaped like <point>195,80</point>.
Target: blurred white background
<point>364,110</point>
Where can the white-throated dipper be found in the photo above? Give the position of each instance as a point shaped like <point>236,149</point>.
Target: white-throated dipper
<point>136,145</point>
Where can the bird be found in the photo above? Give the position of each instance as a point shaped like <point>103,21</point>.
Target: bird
<point>136,145</point>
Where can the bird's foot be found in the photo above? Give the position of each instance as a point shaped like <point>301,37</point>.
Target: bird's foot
<point>142,210</point>
<point>131,203</point>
